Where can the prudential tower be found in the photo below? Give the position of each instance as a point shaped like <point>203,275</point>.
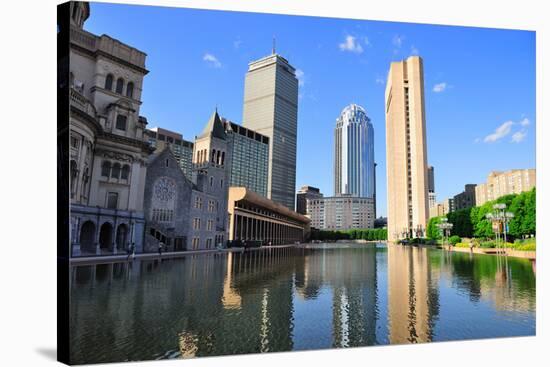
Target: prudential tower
<point>354,153</point>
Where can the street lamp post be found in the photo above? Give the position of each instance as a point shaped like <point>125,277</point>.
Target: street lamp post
<point>500,218</point>
<point>445,228</point>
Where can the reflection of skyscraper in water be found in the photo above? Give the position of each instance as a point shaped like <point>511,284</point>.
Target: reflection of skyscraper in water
<point>413,300</point>
<point>354,300</point>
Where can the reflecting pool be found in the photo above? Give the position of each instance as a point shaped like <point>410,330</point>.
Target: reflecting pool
<point>318,296</point>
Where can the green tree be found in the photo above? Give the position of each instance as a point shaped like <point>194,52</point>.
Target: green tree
<point>432,230</point>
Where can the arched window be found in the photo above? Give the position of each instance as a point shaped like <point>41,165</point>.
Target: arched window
<point>223,158</point>
<point>130,90</point>
<point>119,85</point>
<point>218,158</point>
<point>125,172</point>
<point>109,82</point>
<point>115,172</point>
<point>213,155</point>
<point>106,169</point>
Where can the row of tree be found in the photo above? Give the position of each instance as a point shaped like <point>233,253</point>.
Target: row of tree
<point>472,222</point>
<point>378,234</point>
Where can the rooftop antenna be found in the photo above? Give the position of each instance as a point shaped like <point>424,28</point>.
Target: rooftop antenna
<point>273,48</point>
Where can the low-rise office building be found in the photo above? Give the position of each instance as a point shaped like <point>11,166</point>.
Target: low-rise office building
<point>253,217</point>
<point>341,212</point>
<point>305,193</point>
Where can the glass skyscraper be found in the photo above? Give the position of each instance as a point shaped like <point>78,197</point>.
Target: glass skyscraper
<point>354,153</point>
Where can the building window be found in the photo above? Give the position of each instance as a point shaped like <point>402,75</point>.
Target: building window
<point>106,169</point>
<point>211,205</point>
<point>209,225</point>
<point>112,200</point>
<point>221,183</point>
<point>74,142</point>
<point>125,172</point>
<point>195,243</point>
<point>198,202</point>
<point>196,223</point>
<point>115,172</point>
<point>166,162</point>
<point>119,85</point>
<point>130,90</point>
<point>211,181</point>
<point>109,82</point>
<point>121,122</point>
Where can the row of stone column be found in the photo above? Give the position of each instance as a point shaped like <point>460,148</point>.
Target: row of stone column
<point>247,228</point>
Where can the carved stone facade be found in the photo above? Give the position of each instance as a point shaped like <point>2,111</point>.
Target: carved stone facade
<point>108,148</point>
<point>189,214</point>
<point>167,203</point>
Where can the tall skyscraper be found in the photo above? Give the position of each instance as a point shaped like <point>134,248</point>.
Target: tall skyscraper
<point>431,187</point>
<point>406,153</point>
<point>354,153</point>
<point>271,109</point>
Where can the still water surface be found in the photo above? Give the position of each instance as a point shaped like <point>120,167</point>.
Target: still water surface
<point>321,296</point>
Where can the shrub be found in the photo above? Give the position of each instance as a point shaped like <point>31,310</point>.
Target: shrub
<point>487,244</point>
<point>453,240</point>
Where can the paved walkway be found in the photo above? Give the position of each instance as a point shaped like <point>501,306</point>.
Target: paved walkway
<point>83,260</point>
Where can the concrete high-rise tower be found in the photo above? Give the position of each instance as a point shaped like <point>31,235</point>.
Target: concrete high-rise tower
<point>354,153</point>
<point>406,152</point>
<point>271,109</point>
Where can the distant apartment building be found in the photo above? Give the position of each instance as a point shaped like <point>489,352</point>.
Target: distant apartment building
<point>431,188</point>
<point>249,157</point>
<point>160,138</point>
<point>271,108</point>
<point>341,212</point>
<point>306,193</point>
<point>443,208</point>
<point>437,210</point>
<point>406,149</point>
<point>466,199</point>
<point>504,183</point>
<point>449,205</point>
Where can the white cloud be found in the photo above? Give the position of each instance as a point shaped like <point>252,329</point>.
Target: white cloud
<point>519,136</point>
<point>397,40</point>
<point>499,133</point>
<point>212,60</point>
<point>367,42</point>
<point>380,80</point>
<point>351,44</point>
<point>301,77</point>
<point>414,50</point>
<point>525,122</point>
<point>440,87</point>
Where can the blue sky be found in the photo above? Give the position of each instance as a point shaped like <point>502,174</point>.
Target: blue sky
<point>479,83</point>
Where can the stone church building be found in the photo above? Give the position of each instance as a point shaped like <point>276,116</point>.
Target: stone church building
<point>108,150</point>
<point>188,214</point>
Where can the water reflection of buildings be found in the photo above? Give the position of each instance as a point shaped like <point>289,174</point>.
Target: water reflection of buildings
<point>353,282</point>
<point>413,299</point>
